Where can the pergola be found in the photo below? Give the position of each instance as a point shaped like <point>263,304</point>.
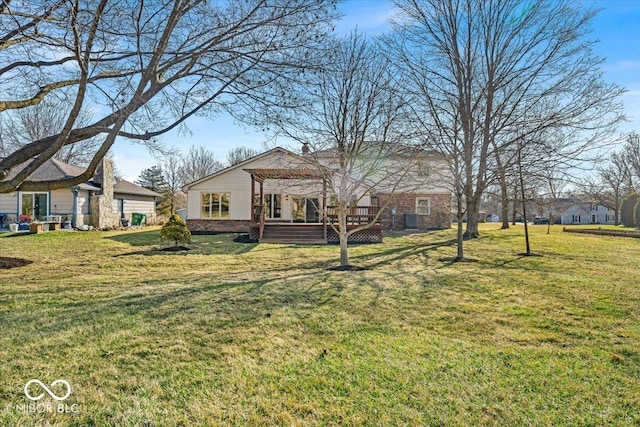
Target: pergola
<point>262,174</point>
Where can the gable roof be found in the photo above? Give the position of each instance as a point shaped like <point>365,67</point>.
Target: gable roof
<point>50,170</point>
<point>125,187</point>
<point>54,169</point>
<point>241,164</point>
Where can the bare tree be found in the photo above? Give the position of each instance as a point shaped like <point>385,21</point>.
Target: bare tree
<point>631,158</point>
<point>21,127</point>
<point>352,117</point>
<point>198,163</point>
<point>486,74</point>
<point>240,154</point>
<point>148,66</point>
<point>555,182</point>
<point>172,171</point>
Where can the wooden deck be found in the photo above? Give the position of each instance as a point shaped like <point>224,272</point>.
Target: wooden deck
<point>265,231</point>
<point>310,233</point>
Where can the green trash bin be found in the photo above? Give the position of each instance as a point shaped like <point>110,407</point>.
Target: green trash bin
<point>138,219</point>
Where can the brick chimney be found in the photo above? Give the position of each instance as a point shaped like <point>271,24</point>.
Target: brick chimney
<point>305,148</point>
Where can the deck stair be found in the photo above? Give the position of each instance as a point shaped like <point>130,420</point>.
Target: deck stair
<point>293,233</point>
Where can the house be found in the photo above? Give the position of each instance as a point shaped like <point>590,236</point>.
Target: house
<point>576,210</point>
<point>100,202</point>
<point>280,196</point>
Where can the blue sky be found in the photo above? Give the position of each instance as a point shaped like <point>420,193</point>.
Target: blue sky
<point>617,27</point>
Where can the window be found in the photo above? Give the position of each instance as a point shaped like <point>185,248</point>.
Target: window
<point>375,201</point>
<point>36,205</point>
<point>423,205</point>
<point>423,170</point>
<point>272,205</point>
<point>215,205</point>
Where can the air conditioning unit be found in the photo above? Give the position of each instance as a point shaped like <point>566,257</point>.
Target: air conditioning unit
<point>410,221</point>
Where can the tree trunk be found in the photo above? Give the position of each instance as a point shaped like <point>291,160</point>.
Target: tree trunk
<point>342,229</point>
<point>460,255</point>
<point>515,206</point>
<point>473,217</point>
<point>524,201</point>
<point>504,194</point>
<point>526,225</point>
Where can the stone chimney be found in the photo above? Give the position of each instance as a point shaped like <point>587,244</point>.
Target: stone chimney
<point>104,177</point>
<point>305,148</point>
<point>101,203</point>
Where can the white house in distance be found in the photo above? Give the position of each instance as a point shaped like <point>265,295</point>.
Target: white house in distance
<point>573,210</point>
<point>100,202</point>
<point>290,197</point>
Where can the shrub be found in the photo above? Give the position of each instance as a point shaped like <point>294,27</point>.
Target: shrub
<point>636,213</point>
<point>175,229</point>
<point>627,210</point>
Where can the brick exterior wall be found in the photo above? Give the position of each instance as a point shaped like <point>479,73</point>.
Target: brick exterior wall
<point>209,226</point>
<point>438,218</point>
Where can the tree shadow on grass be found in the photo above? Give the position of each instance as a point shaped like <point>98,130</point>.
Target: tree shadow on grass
<point>138,238</point>
<point>229,304</point>
<point>391,255</point>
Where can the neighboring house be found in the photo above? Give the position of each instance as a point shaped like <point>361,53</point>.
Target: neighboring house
<point>574,210</point>
<point>290,191</point>
<point>492,217</point>
<point>101,202</point>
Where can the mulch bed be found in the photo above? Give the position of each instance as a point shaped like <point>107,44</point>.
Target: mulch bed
<point>601,232</point>
<point>174,249</point>
<point>7,262</point>
<point>347,268</point>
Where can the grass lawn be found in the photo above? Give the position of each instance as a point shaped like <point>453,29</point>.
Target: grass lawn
<point>247,334</point>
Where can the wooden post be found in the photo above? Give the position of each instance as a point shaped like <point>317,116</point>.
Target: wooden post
<point>324,207</point>
<point>262,208</point>
<point>253,199</point>
<point>262,192</point>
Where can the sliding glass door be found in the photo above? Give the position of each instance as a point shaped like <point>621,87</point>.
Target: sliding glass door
<point>36,205</point>
<point>305,210</point>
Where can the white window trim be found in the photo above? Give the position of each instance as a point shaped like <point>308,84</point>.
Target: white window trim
<point>220,193</point>
<point>420,199</point>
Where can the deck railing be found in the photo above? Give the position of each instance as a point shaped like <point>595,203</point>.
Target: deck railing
<point>355,214</point>
<point>258,218</point>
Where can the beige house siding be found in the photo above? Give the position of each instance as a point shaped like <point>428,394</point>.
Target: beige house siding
<point>9,204</point>
<point>61,202</point>
<point>134,204</point>
<point>237,182</point>
<point>405,175</point>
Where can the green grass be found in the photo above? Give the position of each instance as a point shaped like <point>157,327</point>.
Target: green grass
<point>246,334</point>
